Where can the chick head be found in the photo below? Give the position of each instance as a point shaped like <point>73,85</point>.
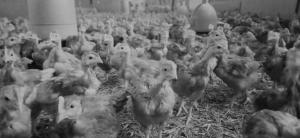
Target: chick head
<point>122,48</point>
<point>46,45</point>
<point>285,32</point>
<point>10,27</point>
<point>8,98</point>
<point>55,37</point>
<point>94,36</point>
<point>31,36</point>
<point>189,34</point>
<point>297,44</point>
<point>15,116</point>
<point>273,36</point>
<point>91,58</point>
<point>250,36</point>
<point>69,107</point>
<point>176,48</point>
<point>108,41</point>
<point>13,40</point>
<point>87,46</point>
<point>2,42</point>
<point>10,55</point>
<point>168,70</point>
<point>217,51</point>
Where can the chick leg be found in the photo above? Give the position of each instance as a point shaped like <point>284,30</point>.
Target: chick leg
<point>182,103</point>
<point>248,98</point>
<point>126,83</point>
<point>275,86</point>
<point>160,130</point>
<point>148,131</point>
<point>235,101</point>
<point>190,115</point>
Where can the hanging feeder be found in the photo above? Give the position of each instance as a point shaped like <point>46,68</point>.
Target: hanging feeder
<point>47,16</point>
<point>202,16</point>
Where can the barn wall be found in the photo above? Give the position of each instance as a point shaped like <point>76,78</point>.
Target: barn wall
<point>224,5</point>
<point>285,8</point>
<point>110,6</point>
<point>220,5</point>
<point>13,8</point>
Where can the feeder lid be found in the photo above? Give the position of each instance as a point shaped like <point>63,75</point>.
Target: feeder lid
<point>202,16</point>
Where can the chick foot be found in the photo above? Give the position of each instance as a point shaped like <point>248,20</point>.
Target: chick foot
<point>190,116</point>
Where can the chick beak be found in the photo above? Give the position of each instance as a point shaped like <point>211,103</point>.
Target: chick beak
<point>99,60</point>
<point>174,75</point>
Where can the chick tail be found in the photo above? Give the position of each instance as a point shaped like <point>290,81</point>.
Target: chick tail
<point>65,128</point>
<point>47,74</point>
<point>105,66</point>
<point>263,124</point>
<point>272,99</point>
<point>121,101</point>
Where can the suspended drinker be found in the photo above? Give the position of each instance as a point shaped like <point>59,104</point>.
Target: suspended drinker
<point>204,15</point>
<point>47,16</point>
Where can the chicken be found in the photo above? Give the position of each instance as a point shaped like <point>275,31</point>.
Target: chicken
<point>2,61</point>
<point>275,62</point>
<point>81,45</point>
<point>180,24</point>
<point>40,56</point>
<point>30,76</point>
<point>10,55</point>
<point>44,95</point>
<point>90,117</point>
<point>139,43</point>
<point>243,51</point>
<point>15,116</point>
<point>286,100</point>
<point>295,25</point>
<point>155,105</point>
<point>29,40</point>
<point>58,58</point>
<point>104,48</point>
<point>239,73</point>
<point>192,84</point>
<point>116,57</point>
<point>14,42</point>
<point>157,51</point>
<point>132,68</point>
<point>85,73</point>
<point>217,37</point>
<point>176,52</point>
<point>271,124</point>
<point>28,48</point>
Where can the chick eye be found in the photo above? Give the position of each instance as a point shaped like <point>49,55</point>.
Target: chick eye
<point>219,47</point>
<point>122,48</point>
<point>165,69</point>
<point>72,106</point>
<point>90,57</point>
<point>6,99</point>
